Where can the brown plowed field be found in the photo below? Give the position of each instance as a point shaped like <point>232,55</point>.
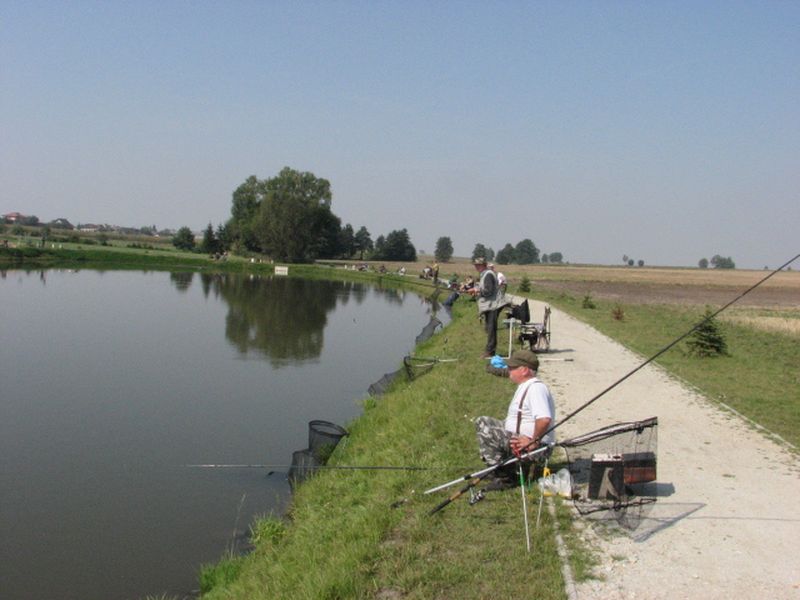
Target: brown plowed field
<point>640,285</point>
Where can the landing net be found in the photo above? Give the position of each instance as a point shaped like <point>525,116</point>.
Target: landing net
<point>412,367</point>
<point>613,471</point>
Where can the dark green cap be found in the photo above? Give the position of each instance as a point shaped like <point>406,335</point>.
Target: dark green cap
<point>523,358</point>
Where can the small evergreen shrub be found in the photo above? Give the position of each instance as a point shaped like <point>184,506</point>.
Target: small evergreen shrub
<point>525,284</point>
<point>707,340</point>
<point>588,302</point>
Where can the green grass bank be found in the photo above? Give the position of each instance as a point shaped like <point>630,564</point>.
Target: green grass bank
<point>343,539</point>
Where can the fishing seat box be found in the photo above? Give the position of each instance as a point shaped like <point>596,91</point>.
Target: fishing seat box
<point>639,467</point>
<point>606,477</point>
<point>611,472</point>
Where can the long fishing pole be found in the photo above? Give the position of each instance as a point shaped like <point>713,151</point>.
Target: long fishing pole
<point>314,467</point>
<point>477,477</point>
<point>433,359</point>
<point>664,349</point>
<point>486,470</point>
<point>578,439</point>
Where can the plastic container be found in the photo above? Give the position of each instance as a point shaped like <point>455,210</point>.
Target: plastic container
<point>557,484</point>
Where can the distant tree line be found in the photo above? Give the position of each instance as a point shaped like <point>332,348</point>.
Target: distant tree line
<point>630,262</point>
<point>717,262</point>
<point>524,253</point>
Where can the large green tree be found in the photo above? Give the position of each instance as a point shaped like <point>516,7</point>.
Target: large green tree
<point>444,249</point>
<point>244,208</point>
<point>294,216</point>
<point>479,251</point>
<point>210,243</point>
<point>184,239</point>
<point>506,255</point>
<point>722,262</point>
<point>396,246</point>
<point>526,252</point>
<point>347,241</point>
<point>363,242</point>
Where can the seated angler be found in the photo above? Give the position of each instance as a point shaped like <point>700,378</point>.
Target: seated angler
<point>531,412</point>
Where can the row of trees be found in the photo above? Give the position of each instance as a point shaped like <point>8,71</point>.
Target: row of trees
<point>524,253</point>
<point>630,262</point>
<point>717,262</point>
<point>289,218</point>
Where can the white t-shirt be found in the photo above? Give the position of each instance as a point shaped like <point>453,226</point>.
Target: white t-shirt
<point>538,404</point>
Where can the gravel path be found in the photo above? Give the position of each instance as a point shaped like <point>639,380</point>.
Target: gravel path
<point>726,524</point>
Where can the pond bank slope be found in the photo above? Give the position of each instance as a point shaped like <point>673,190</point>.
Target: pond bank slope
<point>343,539</point>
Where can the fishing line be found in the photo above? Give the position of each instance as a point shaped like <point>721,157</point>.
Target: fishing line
<point>664,349</point>
<point>477,477</point>
<point>315,467</point>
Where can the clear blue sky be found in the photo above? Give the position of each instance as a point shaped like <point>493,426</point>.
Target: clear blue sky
<point>667,131</point>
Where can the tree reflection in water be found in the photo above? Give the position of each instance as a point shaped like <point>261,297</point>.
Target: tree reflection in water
<point>283,318</point>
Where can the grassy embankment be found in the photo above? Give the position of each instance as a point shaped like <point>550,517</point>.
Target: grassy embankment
<point>343,540</point>
<point>111,256</point>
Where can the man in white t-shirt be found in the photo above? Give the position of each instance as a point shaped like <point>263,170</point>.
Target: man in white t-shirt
<point>530,414</point>
<point>501,279</point>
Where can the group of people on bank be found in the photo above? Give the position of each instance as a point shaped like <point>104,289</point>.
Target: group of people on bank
<point>531,411</point>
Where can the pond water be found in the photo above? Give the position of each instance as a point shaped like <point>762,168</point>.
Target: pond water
<point>112,382</point>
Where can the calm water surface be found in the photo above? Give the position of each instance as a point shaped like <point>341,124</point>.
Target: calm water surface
<point>111,382</point>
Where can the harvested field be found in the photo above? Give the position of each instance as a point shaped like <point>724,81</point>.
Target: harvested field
<point>784,325</point>
<point>638,285</point>
<point>683,293</point>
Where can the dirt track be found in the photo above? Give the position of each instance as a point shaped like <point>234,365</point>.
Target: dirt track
<point>726,523</point>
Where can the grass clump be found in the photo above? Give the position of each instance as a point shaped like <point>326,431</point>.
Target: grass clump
<point>220,574</point>
<point>618,313</point>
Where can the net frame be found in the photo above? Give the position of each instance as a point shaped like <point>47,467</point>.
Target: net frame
<point>604,453</point>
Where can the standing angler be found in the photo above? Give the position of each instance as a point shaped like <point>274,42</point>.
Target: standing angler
<point>490,300</point>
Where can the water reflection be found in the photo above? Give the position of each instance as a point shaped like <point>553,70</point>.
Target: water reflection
<point>182,280</point>
<point>93,437</point>
<point>284,318</point>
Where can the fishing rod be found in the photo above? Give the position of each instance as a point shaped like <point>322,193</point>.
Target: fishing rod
<point>583,438</point>
<point>478,477</point>
<point>314,467</point>
<point>434,359</point>
<point>664,349</point>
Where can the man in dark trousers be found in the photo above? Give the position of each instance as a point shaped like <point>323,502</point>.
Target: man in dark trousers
<point>491,300</point>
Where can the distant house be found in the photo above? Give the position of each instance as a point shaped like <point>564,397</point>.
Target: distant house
<point>13,217</point>
<point>61,224</point>
<point>88,227</point>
